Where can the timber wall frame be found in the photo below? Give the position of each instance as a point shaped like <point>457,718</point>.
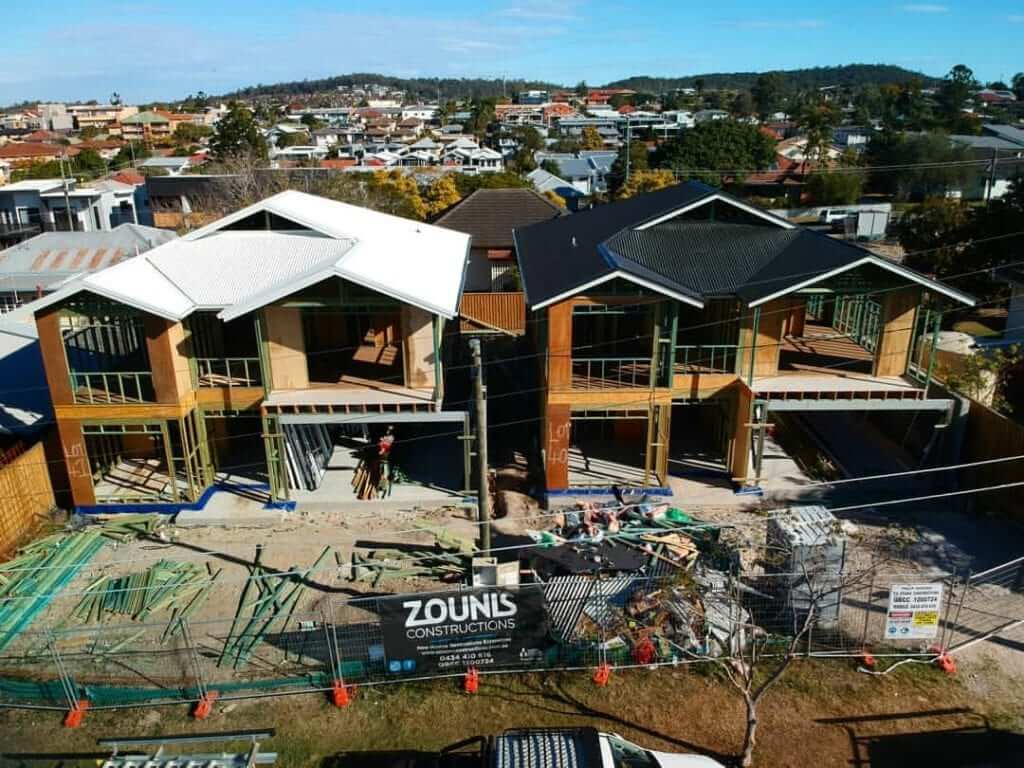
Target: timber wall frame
<point>761,331</point>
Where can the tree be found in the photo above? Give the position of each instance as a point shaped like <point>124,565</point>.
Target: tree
<point>88,133</point>
<point>555,198</point>
<point>469,183</point>
<point>743,105</point>
<point>484,115</point>
<point>998,85</point>
<point>954,92</point>
<point>396,193</point>
<point>237,133</point>
<point>699,85</point>
<point>551,167</point>
<point>716,145</point>
<point>933,235</point>
<point>818,122</point>
<point>932,164</point>
<point>191,133</point>
<point>983,376</point>
<point>1018,85</point>
<point>638,161</point>
<point>441,194</point>
<point>646,181</point>
<point>115,99</point>
<point>291,140</point>
<point>591,139</point>
<point>767,93</point>
<point>89,162</point>
<point>836,188</point>
<point>582,89</point>
<point>311,122</point>
<point>566,144</point>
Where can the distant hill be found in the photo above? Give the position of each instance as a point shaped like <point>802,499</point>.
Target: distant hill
<point>425,87</point>
<point>469,87</point>
<point>815,77</point>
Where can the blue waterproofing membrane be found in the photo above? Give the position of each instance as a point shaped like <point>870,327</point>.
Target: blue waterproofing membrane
<point>168,508</point>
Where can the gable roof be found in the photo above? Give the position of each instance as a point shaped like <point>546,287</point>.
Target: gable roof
<point>643,240</point>
<point>48,260</point>
<point>237,271</point>
<point>490,215</point>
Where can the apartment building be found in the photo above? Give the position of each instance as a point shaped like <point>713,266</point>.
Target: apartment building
<point>256,353</point>
<point>42,205</point>
<point>673,326</point>
<point>103,117</point>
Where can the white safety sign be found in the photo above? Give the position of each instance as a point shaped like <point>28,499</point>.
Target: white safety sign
<point>914,611</point>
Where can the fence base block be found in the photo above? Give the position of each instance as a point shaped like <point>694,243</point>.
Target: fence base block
<point>340,695</point>
<point>204,706</point>
<point>471,682</point>
<point>76,714</point>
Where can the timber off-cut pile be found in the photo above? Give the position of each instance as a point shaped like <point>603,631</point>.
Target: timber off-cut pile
<point>43,568</point>
<point>166,586</point>
<point>268,600</point>
<point>373,475</point>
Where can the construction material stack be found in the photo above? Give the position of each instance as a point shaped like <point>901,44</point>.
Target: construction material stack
<point>806,554</point>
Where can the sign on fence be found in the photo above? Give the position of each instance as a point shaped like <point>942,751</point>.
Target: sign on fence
<point>913,611</point>
<point>439,632</point>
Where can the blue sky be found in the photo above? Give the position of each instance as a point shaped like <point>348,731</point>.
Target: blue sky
<point>146,50</point>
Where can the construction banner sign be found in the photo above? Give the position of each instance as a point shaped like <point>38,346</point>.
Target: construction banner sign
<point>914,611</point>
<point>438,632</point>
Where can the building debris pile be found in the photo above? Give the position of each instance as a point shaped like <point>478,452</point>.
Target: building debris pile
<point>166,586</point>
<point>30,581</point>
<point>267,602</point>
<point>374,474</point>
<point>641,583</point>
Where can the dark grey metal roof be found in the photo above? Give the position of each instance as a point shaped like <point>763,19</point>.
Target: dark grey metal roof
<point>752,258</point>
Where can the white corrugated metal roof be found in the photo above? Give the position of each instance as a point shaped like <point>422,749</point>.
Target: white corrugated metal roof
<point>238,271</point>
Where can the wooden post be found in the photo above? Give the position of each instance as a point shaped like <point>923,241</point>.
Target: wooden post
<point>76,459</point>
<point>896,334</point>
<point>55,361</point>
<point>739,458</point>
<point>556,456</point>
<point>484,491</point>
<point>560,346</point>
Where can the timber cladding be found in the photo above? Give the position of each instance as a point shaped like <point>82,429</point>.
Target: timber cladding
<point>990,435</point>
<point>27,494</point>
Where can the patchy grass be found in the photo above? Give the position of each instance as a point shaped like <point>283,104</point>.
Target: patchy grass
<point>804,717</point>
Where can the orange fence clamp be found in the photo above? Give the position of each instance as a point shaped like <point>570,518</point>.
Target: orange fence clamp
<point>946,663</point>
<point>602,674</point>
<point>471,683</point>
<point>204,706</point>
<point>340,695</point>
<point>76,714</point>
<point>868,660</point>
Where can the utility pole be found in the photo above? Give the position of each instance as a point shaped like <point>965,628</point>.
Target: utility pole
<point>629,139</point>
<point>484,493</point>
<point>992,176</point>
<point>67,196</point>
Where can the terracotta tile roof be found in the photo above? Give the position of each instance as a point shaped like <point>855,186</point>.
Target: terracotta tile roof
<point>338,162</point>
<point>129,177</point>
<point>28,149</point>
<point>490,215</point>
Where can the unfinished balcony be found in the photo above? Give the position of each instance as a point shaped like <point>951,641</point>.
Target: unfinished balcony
<point>226,354</point>
<point>107,356</point>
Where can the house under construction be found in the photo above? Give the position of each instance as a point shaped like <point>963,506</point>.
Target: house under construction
<point>671,326</point>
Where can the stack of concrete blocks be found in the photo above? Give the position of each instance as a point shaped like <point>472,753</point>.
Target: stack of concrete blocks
<point>807,553</point>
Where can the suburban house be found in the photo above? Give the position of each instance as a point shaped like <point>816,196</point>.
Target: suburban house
<point>41,264</point>
<point>255,353</point>
<point>37,205</point>
<point>585,171</point>
<point>105,118</point>
<point>492,301</point>
<point>24,153</point>
<point>146,127</point>
<point>35,268</point>
<point>672,326</point>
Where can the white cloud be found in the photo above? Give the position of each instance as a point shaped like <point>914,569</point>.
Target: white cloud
<point>1015,18</point>
<point>774,24</point>
<point>537,10</point>
<point>925,8</point>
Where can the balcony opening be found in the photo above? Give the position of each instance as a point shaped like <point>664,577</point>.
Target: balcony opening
<point>105,345</point>
<point>226,354</point>
<point>610,448</point>
<point>838,337</point>
<point>707,340</point>
<point>353,348</point>
<point>612,346</point>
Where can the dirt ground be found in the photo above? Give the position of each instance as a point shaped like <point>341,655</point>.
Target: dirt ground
<point>819,714</point>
